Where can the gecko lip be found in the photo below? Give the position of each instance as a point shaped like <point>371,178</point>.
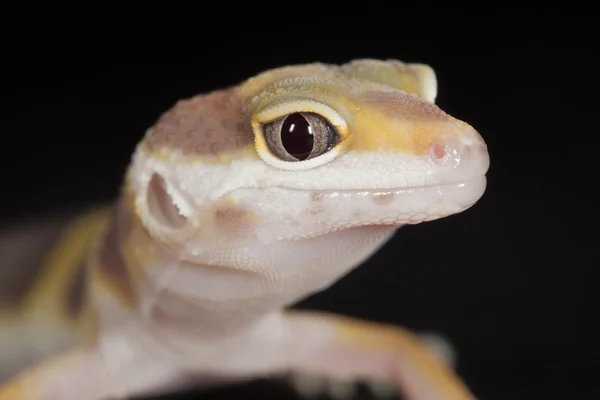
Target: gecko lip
<point>478,180</point>
<point>396,189</point>
<point>410,204</point>
<point>321,212</point>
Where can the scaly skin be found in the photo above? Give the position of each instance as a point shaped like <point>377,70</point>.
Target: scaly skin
<point>224,221</point>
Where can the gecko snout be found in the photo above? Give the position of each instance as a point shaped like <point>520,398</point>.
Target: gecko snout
<point>464,157</point>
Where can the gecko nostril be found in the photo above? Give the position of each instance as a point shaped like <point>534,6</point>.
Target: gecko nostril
<point>447,153</point>
<point>437,151</point>
<point>161,204</point>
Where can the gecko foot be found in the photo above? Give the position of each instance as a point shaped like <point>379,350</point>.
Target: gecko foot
<point>313,386</point>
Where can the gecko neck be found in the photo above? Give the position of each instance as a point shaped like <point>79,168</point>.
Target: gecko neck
<point>226,291</point>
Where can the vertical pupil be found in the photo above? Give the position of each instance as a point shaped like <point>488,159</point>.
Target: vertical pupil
<point>297,136</point>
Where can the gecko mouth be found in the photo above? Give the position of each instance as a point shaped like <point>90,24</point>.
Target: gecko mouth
<point>396,189</point>
<point>405,205</point>
<point>463,194</point>
<point>320,212</point>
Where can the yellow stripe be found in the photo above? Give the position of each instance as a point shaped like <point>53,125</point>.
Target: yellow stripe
<point>48,293</point>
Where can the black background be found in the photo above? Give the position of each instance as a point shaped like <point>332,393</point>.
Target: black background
<point>510,281</point>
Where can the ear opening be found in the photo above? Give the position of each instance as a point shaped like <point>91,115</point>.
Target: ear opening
<point>162,206</point>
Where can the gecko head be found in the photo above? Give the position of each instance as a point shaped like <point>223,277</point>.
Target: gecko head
<point>303,151</point>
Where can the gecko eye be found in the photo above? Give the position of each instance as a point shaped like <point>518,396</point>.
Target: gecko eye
<point>300,136</point>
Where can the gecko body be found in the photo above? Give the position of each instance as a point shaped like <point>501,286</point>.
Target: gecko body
<point>237,204</point>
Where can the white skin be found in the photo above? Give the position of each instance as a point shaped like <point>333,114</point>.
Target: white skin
<point>295,228</point>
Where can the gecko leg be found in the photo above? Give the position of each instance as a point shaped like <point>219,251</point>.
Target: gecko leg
<point>345,348</point>
<point>92,374</point>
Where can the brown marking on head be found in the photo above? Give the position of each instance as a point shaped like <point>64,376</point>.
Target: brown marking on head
<point>206,125</point>
<point>23,250</point>
<point>383,198</point>
<point>76,291</point>
<point>233,221</point>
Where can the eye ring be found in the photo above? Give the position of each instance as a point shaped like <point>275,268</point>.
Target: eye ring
<point>277,129</point>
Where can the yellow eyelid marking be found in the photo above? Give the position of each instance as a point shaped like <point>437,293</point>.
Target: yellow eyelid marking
<point>375,131</point>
